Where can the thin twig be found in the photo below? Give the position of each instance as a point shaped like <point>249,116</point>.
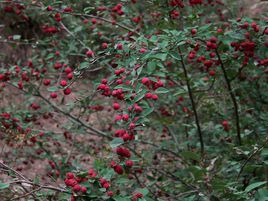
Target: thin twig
<point>251,156</point>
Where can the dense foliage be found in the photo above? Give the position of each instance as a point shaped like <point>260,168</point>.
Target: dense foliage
<point>133,100</point>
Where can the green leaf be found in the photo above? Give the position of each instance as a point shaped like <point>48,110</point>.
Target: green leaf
<point>116,142</point>
<point>262,195</point>
<point>88,9</point>
<point>255,185</point>
<point>84,65</point>
<point>139,97</point>
<point>124,87</point>
<point>190,155</point>
<point>161,56</point>
<point>144,191</point>
<point>121,199</point>
<point>52,89</point>
<point>16,37</point>
<point>147,112</point>
<point>3,185</point>
<point>161,90</point>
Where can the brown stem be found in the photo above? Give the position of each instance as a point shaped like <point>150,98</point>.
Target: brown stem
<point>251,156</point>
<point>232,95</point>
<point>193,103</point>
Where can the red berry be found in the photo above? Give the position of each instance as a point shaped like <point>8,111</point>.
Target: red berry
<point>145,80</point>
<point>106,185</point>
<point>143,50</point>
<point>129,163</point>
<point>70,76</point>
<point>67,91</point>
<point>154,97</point>
<point>67,70</point>
<point>193,31</point>
<point>212,73</point>
<point>110,193</point>
<point>104,45</point>
<point>90,53</point>
<point>46,82</point>
<point>148,95</point>
<point>116,106</point>
<point>49,8</point>
<point>119,46</point>
<point>125,117</point>
<point>93,20</point>
<point>70,175</point>
<point>118,169</point>
<point>225,123</point>
<point>63,83</point>
<point>83,189</point>
<point>53,95</point>
<point>76,188</point>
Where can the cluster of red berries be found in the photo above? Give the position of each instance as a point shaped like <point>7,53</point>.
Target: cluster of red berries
<point>124,135</point>
<point>175,3</point>
<point>17,9</point>
<point>151,84</point>
<point>50,29</point>
<point>118,9</point>
<point>74,182</point>
<point>195,2</point>
<point>123,152</point>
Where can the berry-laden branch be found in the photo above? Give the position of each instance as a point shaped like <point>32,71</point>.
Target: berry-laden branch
<point>94,131</point>
<point>200,134</point>
<point>232,95</point>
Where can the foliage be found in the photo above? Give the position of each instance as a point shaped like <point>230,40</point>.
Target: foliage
<point>134,100</point>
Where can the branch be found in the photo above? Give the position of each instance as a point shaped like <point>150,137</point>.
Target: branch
<point>200,134</point>
<point>94,131</point>
<point>232,97</point>
<point>251,156</point>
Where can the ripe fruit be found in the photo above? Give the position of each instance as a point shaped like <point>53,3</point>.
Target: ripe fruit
<point>116,106</point>
<point>104,45</point>
<point>212,73</point>
<point>49,8</point>
<point>67,91</point>
<point>46,82</point>
<point>143,50</point>
<point>67,70</point>
<point>63,83</point>
<point>118,169</point>
<point>83,189</point>
<point>193,31</point>
<point>125,117</point>
<point>70,175</point>
<point>154,97</point>
<point>53,95</point>
<point>90,53</point>
<point>225,125</point>
<point>70,76</point>
<point>145,80</point>
<point>119,46</point>
<point>110,193</point>
<point>129,163</point>
<point>76,188</point>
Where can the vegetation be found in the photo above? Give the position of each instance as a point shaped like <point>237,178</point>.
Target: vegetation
<point>133,100</point>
